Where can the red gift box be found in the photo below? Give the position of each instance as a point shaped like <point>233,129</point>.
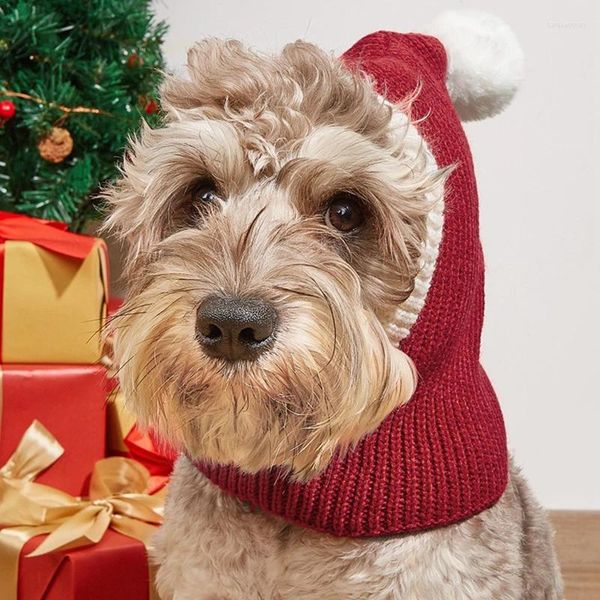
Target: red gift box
<point>70,401</point>
<point>116,568</point>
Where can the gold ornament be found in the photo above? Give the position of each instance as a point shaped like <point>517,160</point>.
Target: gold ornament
<point>56,146</point>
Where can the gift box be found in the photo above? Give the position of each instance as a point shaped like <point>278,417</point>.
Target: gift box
<point>157,457</point>
<point>124,438</point>
<point>70,400</point>
<point>57,546</point>
<point>53,292</point>
<point>119,422</point>
<point>116,568</point>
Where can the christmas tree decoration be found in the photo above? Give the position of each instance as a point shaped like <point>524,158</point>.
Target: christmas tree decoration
<point>151,107</point>
<point>7,110</point>
<point>134,60</point>
<point>56,146</point>
<point>72,73</point>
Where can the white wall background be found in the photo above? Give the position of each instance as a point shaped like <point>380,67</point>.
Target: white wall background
<point>538,172</point>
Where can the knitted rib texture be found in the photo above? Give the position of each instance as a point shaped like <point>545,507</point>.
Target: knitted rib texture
<point>442,457</point>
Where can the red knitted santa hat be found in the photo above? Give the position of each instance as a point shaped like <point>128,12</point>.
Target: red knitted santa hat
<point>442,457</point>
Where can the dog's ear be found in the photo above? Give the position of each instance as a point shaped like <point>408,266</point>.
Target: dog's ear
<point>219,72</point>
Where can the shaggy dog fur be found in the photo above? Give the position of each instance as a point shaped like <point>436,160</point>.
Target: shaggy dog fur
<point>213,547</point>
<point>234,196</point>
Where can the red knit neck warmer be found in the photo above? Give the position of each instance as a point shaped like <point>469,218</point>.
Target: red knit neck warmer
<point>442,457</point>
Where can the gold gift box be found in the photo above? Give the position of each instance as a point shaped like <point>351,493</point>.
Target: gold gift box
<point>119,422</point>
<point>53,306</point>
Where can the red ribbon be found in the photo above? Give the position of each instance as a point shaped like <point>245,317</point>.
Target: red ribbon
<point>157,457</point>
<point>51,235</point>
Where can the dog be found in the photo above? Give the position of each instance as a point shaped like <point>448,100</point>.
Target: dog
<point>286,232</point>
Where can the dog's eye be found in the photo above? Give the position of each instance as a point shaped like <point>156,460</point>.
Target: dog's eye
<point>206,192</point>
<point>344,212</point>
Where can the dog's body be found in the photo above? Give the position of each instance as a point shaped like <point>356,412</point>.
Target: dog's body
<point>214,547</point>
<point>283,231</point>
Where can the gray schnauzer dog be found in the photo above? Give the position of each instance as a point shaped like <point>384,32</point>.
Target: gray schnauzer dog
<point>303,321</point>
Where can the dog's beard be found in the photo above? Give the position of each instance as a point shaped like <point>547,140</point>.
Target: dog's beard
<point>331,376</point>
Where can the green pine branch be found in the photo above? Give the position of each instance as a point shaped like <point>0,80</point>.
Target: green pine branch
<point>96,54</point>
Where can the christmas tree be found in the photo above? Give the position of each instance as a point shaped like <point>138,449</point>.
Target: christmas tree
<point>76,79</point>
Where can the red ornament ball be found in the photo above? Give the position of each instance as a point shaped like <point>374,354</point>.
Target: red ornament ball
<point>7,110</point>
<point>134,60</point>
<point>151,107</point>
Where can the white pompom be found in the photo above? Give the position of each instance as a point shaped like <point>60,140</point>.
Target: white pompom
<point>485,61</point>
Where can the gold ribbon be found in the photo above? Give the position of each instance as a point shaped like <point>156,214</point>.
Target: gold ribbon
<point>117,499</point>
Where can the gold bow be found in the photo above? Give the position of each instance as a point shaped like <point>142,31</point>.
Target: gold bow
<point>117,499</point>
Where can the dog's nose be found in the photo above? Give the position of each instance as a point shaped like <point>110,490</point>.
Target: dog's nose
<point>235,328</point>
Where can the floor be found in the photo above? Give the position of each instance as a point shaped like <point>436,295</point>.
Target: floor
<point>578,547</point>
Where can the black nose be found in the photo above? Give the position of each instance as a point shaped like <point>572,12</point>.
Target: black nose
<point>235,328</point>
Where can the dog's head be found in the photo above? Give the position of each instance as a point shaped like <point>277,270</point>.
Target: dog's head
<point>273,225</point>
